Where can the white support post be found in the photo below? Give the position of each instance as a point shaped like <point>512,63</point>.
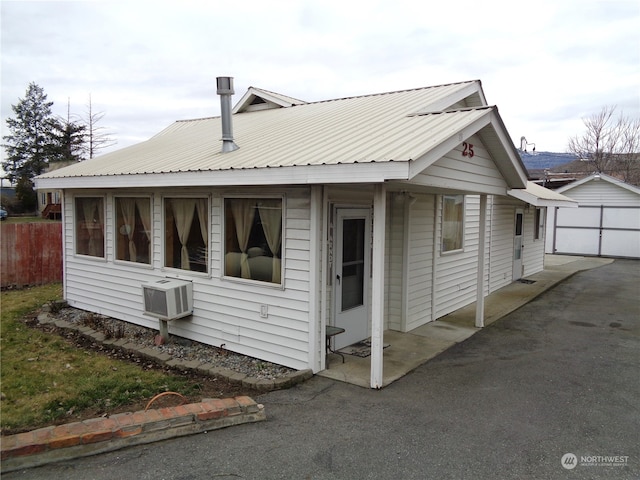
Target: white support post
<point>317,245</point>
<point>377,280</point>
<point>481,251</point>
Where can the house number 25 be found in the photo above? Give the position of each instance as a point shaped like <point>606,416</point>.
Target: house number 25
<point>467,150</point>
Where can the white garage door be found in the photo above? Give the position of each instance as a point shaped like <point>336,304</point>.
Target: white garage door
<point>597,230</point>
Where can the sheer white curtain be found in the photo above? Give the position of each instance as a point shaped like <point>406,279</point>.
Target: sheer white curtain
<point>91,207</point>
<point>144,210</point>
<point>128,209</point>
<point>271,216</point>
<point>183,211</point>
<point>203,212</point>
<point>243,214</point>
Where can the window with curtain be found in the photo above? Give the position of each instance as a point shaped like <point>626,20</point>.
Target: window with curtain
<point>253,238</point>
<point>133,229</point>
<point>452,222</point>
<point>89,218</point>
<point>186,235</point>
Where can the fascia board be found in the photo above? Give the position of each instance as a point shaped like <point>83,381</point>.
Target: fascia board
<point>438,151</point>
<point>444,103</point>
<point>299,175</point>
<point>501,131</point>
<point>536,201</point>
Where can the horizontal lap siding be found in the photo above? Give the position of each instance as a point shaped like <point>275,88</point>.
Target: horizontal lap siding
<point>502,226</point>
<point>455,171</point>
<point>394,261</point>
<point>457,272</point>
<point>533,252</point>
<point>226,311</point>
<point>420,262</point>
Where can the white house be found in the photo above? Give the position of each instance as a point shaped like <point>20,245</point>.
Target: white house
<point>369,213</point>
<point>606,223</point>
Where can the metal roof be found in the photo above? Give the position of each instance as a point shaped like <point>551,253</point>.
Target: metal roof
<point>379,128</point>
<point>539,196</point>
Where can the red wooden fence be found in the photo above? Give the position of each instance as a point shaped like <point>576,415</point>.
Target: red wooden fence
<point>30,253</point>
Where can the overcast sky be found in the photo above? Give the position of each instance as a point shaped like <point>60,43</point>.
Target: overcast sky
<point>546,64</point>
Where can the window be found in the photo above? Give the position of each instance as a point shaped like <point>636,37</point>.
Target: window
<point>253,238</point>
<point>133,229</point>
<point>452,222</point>
<point>538,232</point>
<point>186,233</point>
<point>89,215</point>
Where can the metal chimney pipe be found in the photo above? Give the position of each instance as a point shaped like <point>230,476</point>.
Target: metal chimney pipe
<point>225,90</point>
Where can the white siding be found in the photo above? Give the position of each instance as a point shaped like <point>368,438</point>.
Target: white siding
<point>226,311</point>
<point>533,251</point>
<point>601,204</point>
<point>395,247</point>
<point>456,271</point>
<point>602,193</point>
<point>502,222</point>
<point>456,171</point>
<point>420,271</point>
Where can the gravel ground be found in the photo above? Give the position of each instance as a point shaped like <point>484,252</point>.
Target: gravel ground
<point>177,347</point>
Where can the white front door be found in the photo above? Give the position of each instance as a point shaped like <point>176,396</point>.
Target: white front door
<point>351,269</point>
<point>517,245</point>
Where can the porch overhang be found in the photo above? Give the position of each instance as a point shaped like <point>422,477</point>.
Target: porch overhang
<point>539,196</point>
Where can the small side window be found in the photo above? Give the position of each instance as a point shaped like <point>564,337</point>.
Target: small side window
<point>452,223</point>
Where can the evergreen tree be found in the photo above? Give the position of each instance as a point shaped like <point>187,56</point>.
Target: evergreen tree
<point>71,139</point>
<point>32,142</point>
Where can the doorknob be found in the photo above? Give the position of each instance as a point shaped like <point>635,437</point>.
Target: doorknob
<point>338,278</point>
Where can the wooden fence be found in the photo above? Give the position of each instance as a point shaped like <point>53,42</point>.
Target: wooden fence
<point>30,253</point>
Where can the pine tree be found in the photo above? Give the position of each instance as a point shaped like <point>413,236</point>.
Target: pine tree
<point>71,139</point>
<point>32,142</point>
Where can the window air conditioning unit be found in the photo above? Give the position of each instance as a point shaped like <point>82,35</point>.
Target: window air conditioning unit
<point>168,299</point>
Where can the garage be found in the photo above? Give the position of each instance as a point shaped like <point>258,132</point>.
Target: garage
<point>606,222</point>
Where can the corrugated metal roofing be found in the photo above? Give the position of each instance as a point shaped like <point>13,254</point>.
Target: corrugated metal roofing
<point>371,128</point>
<point>540,196</point>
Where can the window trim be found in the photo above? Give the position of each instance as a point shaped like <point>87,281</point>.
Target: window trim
<point>223,222</point>
<point>539,223</point>
<point>103,258</point>
<point>163,243</point>
<point>116,260</point>
<point>463,224</point>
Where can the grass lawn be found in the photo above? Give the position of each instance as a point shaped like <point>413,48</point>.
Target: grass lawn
<point>46,379</point>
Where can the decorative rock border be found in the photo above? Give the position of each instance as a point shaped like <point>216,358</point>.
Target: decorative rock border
<point>202,368</point>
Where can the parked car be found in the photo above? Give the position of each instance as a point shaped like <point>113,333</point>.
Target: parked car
<point>3,214</point>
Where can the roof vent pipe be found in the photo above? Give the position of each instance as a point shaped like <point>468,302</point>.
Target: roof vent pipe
<point>225,90</point>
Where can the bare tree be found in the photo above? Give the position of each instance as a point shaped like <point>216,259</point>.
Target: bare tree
<point>610,145</point>
<point>97,137</point>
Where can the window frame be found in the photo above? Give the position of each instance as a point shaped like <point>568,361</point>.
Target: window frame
<point>163,233</point>
<point>223,241</point>
<point>76,241</point>
<point>116,234</point>
<point>539,223</point>
<point>443,251</point>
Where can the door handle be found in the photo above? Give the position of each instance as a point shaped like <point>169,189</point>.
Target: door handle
<point>338,278</point>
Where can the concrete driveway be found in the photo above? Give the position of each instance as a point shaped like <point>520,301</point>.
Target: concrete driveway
<point>557,378</point>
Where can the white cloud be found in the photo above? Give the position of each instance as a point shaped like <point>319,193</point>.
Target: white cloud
<point>545,64</point>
